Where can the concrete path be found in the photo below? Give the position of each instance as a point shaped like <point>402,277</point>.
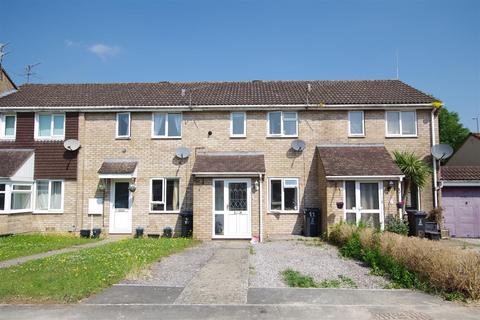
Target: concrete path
<point>20,260</point>
<point>223,280</point>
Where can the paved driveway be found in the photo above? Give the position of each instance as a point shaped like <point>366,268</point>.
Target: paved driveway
<point>211,282</point>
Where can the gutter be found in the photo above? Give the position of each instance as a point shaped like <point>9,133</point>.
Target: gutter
<point>218,107</point>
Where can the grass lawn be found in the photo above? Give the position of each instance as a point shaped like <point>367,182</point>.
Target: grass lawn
<point>72,276</point>
<point>28,244</point>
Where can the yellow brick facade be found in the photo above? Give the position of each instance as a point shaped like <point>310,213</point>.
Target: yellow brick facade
<point>156,158</point>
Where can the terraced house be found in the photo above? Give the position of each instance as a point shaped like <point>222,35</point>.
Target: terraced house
<point>246,158</point>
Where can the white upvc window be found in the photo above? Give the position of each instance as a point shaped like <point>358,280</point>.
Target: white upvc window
<point>20,197</point>
<point>401,123</point>
<point>356,124</point>
<point>49,195</point>
<point>49,126</point>
<point>166,125</point>
<point>8,126</point>
<point>238,124</point>
<point>282,124</point>
<point>284,195</point>
<point>164,195</point>
<point>15,197</point>
<point>3,197</point>
<point>123,125</point>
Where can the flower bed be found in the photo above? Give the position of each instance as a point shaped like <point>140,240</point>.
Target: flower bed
<point>412,262</point>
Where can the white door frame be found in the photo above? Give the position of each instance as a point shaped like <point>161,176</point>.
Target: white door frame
<point>111,226</point>
<point>247,235</point>
<point>358,209</point>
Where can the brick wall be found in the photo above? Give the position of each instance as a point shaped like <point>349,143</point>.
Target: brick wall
<point>156,159</point>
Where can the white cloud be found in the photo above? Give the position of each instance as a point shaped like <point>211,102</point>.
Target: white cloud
<point>104,51</point>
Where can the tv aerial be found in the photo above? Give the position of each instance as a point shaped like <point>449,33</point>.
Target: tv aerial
<point>298,145</point>
<point>441,151</point>
<point>28,71</point>
<point>182,152</point>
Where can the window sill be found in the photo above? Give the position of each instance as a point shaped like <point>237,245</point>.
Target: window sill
<point>284,212</point>
<point>48,212</point>
<point>166,138</point>
<point>164,212</point>
<point>49,139</point>
<point>401,136</point>
<point>282,137</point>
<point>7,139</point>
<point>238,137</point>
<point>14,212</point>
<point>122,138</point>
<point>356,136</point>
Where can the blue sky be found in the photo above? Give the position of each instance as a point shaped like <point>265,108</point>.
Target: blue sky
<point>134,41</point>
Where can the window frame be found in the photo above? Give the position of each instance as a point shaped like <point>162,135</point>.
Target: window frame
<point>4,192</point>
<point>3,127</point>
<point>164,195</point>
<point>350,134</point>
<point>166,136</point>
<point>236,135</point>
<point>52,123</point>
<point>49,210</point>
<point>282,210</point>
<point>117,136</point>
<point>12,191</point>
<point>401,134</point>
<point>282,125</point>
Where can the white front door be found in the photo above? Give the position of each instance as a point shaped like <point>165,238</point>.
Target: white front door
<point>364,202</point>
<point>120,207</point>
<point>232,208</point>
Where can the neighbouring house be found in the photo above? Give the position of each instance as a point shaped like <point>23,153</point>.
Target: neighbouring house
<point>6,83</point>
<point>221,150</point>
<point>461,189</point>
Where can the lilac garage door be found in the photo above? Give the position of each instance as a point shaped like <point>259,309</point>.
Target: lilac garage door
<point>462,211</point>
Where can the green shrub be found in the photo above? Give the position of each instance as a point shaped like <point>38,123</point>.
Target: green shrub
<point>296,279</point>
<point>412,262</point>
<point>396,225</point>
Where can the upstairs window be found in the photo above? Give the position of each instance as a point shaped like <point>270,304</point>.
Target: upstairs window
<point>356,124</point>
<point>238,122</point>
<point>8,126</point>
<point>50,126</point>
<point>164,195</point>
<point>282,124</point>
<point>123,125</point>
<point>49,195</point>
<point>167,125</point>
<point>401,123</point>
<point>284,194</point>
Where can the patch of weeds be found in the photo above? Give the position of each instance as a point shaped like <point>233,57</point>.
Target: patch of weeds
<point>348,282</point>
<point>251,250</point>
<point>296,280</point>
<point>251,270</point>
<point>392,285</point>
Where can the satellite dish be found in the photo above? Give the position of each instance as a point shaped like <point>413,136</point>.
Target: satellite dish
<point>298,145</point>
<point>442,151</point>
<point>182,152</point>
<point>71,144</point>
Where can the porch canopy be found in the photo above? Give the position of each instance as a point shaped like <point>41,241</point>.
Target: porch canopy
<point>229,164</point>
<point>118,169</point>
<point>358,161</point>
<point>17,164</point>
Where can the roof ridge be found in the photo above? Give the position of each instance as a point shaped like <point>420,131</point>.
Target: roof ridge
<point>207,82</point>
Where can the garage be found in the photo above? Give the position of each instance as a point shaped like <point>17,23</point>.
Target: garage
<point>462,211</point>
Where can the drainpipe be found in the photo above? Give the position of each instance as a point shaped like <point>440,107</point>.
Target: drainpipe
<point>260,182</point>
<point>399,195</point>
<point>434,161</point>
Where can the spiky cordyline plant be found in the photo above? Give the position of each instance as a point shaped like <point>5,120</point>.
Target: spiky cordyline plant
<point>416,171</point>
